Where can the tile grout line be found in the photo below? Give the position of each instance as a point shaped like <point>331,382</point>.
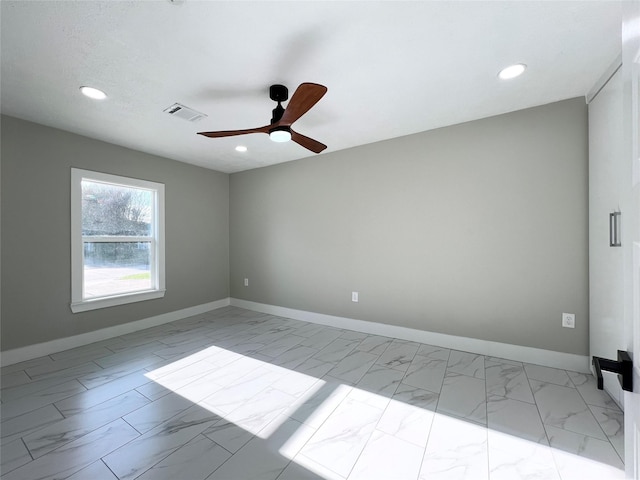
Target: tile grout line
<point>435,412</point>
<point>442,382</point>
<point>546,434</point>
<point>27,448</point>
<point>106,466</point>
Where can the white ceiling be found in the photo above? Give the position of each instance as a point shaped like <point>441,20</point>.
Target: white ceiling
<point>392,68</point>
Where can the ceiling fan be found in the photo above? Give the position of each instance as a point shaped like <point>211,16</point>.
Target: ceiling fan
<point>279,130</point>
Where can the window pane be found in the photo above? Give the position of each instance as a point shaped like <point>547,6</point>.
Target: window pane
<point>116,268</point>
<point>115,210</point>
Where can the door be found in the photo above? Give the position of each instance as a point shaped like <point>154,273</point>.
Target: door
<point>607,171</point>
<point>631,227</point>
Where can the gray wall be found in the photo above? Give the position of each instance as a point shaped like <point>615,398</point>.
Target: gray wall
<point>478,230</point>
<point>36,271</point>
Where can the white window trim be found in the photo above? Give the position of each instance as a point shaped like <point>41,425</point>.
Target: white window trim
<point>78,303</point>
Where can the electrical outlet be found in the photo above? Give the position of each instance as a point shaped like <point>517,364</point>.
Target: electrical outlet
<point>246,282</point>
<point>354,297</point>
<point>569,320</point>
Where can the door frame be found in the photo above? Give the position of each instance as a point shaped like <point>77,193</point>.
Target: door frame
<point>631,231</point>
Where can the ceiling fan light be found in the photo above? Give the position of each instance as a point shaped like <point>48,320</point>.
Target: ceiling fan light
<point>512,71</point>
<point>280,136</point>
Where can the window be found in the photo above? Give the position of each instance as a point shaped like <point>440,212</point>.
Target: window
<point>117,240</point>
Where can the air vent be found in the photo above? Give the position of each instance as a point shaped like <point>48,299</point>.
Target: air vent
<point>182,111</point>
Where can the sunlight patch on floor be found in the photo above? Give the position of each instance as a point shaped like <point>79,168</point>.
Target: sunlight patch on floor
<point>351,432</point>
<point>247,392</point>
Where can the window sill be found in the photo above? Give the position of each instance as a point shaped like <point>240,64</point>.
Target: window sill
<point>105,302</point>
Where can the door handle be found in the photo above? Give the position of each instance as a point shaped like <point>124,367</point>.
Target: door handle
<point>623,367</point>
<point>614,229</point>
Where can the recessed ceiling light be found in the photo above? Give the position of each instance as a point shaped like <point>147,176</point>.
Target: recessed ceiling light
<point>512,71</point>
<point>241,148</point>
<point>93,93</point>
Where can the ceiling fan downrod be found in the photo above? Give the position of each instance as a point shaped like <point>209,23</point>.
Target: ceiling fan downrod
<point>278,93</point>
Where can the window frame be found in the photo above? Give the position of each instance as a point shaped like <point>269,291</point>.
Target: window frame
<point>157,262</point>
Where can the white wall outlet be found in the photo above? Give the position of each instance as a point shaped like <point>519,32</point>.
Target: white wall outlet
<point>569,320</point>
<point>246,282</point>
<point>354,297</point>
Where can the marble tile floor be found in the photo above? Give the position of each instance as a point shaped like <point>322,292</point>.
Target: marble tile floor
<point>234,394</point>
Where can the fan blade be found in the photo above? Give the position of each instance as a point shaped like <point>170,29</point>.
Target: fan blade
<point>308,143</point>
<point>231,133</point>
<point>305,97</point>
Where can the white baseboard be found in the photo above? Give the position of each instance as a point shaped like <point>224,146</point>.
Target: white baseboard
<point>46,348</point>
<point>549,358</point>
<point>538,356</point>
